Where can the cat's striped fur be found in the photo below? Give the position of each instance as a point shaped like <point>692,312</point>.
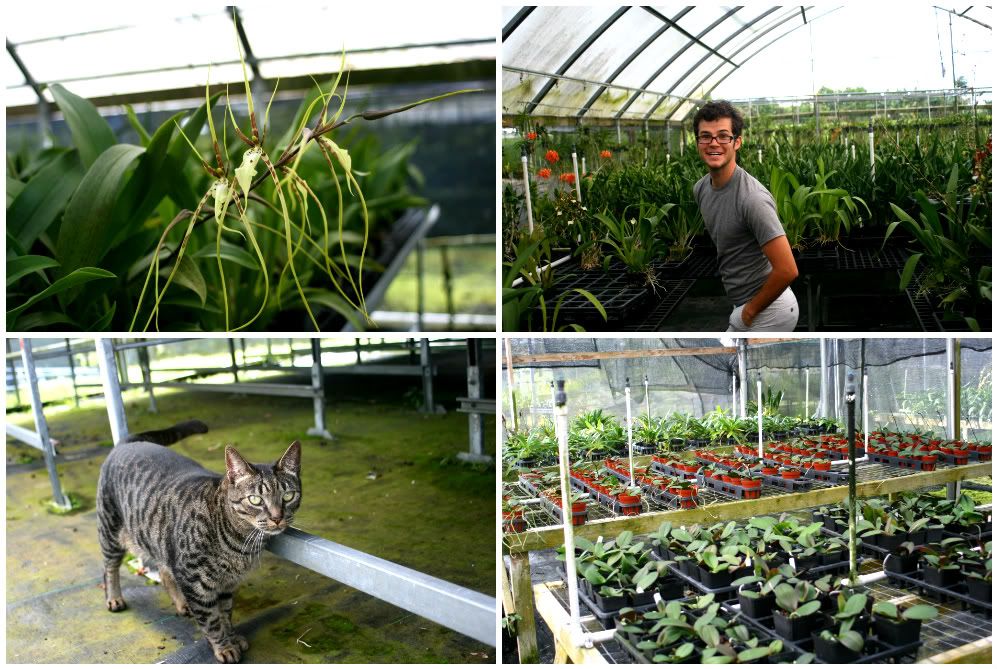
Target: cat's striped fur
<point>202,530</point>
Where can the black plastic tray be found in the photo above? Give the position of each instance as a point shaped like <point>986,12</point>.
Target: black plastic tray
<point>958,593</point>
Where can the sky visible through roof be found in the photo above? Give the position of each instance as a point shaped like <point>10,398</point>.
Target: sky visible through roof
<point>879,46</point>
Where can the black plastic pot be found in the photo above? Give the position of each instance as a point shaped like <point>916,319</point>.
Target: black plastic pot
<point>979,589</point>
<point>941,578</point>
<point>919,538</point>
<point>834,557</point>
<point>900,564</point>
<point>715,581</point>
<point>796,629</point>
<point>607,604</point>
<point>933,535</point>
<point>756,608</point>
<point>807,562</point>
<point>642,599</point>
<point>891,542</point>
<point>897,633</point>
<point>833,652</point>
<point>671,588</point>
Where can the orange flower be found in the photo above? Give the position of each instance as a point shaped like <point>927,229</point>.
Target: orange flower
<point>568,178</point>
<point>552,157</point>
<point>605,154</point>
<point>531,136</point>
<point>544,173</point>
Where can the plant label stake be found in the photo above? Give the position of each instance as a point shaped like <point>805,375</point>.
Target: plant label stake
<point>865,411</point>
<point>630,434</point>
<point>583,165</point>
<point>733,394</point>
<point>872,155</point>
<point>647,399</point>
<point>850,427</point>
<point>806,397</point>
<point>761,452</point>
<point>561,427</point>
<point>578,180</point>
<point>526,189</point>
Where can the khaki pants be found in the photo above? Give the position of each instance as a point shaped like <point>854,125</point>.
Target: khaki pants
<point>780,316</point>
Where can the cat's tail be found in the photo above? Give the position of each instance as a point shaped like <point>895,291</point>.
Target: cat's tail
<point>170,435</point>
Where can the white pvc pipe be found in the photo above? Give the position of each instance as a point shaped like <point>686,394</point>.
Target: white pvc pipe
<point>865,409</point>
<point>806,398</point>
<point>630,435</point>
<point>560,261</point>
<point>647,399</point>
<point>526,187</point>
<point>578,179</point>
<point>761,452</point>
<point>733,394</point>
<point>561,427</point>
<point>872,154</point>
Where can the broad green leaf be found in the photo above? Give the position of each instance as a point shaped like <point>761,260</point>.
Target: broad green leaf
<point>24,265</point>
<point>44,198</point>
<point>909,267</point>
<point>807,609</point>
<point>920,612</point>
<point>145,187</point>
<point>752,654</point>
<point>143,134</point>
<point>14,188</point>
<point>851,640</point>
<point>87,227</point>
<point>855,605</point>
<point>333,301</point>
<point>229,252</point>
<point>78,277</point>
<point>103,322</point>
<point>189,275</point>
<point>646,581</point>
<point>44,320</point>
<point>91,133</point>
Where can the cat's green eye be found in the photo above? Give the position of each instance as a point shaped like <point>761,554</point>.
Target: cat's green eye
<point>255,500</point>
<point>288,496</point>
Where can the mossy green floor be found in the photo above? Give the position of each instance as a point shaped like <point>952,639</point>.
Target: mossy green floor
<point>389,485</point>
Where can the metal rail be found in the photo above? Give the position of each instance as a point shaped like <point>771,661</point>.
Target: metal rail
<point>453,606</point>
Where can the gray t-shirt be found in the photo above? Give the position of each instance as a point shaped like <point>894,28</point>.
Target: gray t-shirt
<point>740,217</point>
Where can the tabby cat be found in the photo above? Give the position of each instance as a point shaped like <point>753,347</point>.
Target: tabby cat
<point>202,530</point>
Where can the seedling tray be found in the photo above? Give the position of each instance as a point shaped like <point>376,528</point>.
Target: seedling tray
<point>729,489</point>
<point>958,592</point>
<point>792,485</point>
<point>577,518</point>
<point>603,615</point>
<point>666,297</point>
<point>875,649</point>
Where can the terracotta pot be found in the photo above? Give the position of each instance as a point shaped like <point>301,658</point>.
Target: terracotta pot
<point>791,474</point>
<point>822,466</point>
<point>751,483</point>
<point>770,471</point>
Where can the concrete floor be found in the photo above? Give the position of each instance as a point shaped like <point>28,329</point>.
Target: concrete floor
<point>420,504</point>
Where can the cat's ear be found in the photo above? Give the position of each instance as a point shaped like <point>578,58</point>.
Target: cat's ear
<point>290,462</point>
<point>236,466</point>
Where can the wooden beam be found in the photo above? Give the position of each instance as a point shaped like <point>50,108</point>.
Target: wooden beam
<point>558,620</point>
<point>616,355</point>
<point>777,340</point>
<point>507,601</point>
<point>522,593</point>
<point>540,538</point>
<point>976,652</point>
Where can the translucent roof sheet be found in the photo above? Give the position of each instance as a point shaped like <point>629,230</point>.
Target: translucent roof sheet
<point>658,62</point>
<point>138,47</point>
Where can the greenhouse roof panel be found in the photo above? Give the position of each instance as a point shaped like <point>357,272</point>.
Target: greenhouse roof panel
<point>143,48</point>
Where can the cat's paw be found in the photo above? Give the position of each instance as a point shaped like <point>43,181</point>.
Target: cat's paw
<point>116,604</point>
<point>227,653</point>
<point>240,641</point>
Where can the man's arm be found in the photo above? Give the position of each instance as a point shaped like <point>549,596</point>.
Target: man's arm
<point>784,272</point>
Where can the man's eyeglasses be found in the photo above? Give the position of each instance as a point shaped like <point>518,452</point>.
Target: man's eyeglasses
<point>721,139</point>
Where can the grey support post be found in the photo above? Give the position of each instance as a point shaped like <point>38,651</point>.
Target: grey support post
<point>428,405</point>
<point>13,375</point>
<point>474,406</point>
<point>41,426</point>
<point>953,358</point>
<point>318,392</point>
<point>72,372</point>
<point>235,365</point>
<point>143,361</point>
<point>112,389</point>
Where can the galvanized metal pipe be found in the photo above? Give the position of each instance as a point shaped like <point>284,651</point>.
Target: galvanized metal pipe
<point>41,426</point>
<point>108,367</point>
<point>453,606</point>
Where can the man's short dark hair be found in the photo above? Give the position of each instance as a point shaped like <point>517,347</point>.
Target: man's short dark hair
<point>716,109</point>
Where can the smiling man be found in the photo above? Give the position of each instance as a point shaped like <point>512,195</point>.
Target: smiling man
<point>756,263</point>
